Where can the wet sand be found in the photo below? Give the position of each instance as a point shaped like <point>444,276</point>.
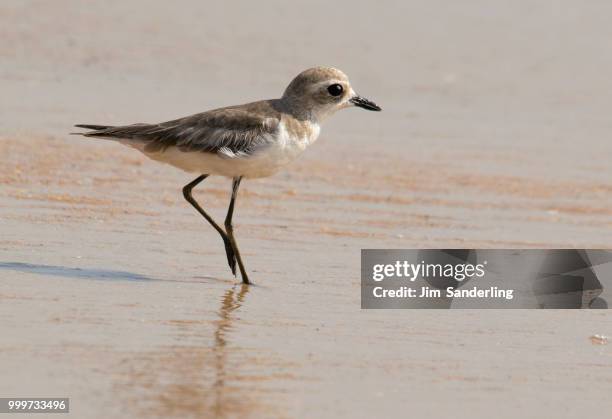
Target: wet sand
<point>495,134</point>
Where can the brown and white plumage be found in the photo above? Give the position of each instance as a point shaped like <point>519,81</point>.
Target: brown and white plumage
<point>251,140</point>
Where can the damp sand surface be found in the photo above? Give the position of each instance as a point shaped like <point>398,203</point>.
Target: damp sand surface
<point>495,134</point>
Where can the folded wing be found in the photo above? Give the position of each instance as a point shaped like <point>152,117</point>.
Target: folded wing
<point>230,132</point>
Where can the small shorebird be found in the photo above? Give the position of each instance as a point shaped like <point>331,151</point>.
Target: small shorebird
<point>245,141</point>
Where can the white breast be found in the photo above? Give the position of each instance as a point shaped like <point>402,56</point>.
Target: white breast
<point>281,150</point>
<point>286,146</point>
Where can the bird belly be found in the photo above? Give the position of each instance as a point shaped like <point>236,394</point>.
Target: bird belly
<point>268,159</point>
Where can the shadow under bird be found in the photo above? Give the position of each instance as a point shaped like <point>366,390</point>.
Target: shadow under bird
<point>245,141</point>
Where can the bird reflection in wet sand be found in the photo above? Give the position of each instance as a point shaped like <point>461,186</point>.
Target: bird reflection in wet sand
<point>196,377</point>
<point>232,300</point>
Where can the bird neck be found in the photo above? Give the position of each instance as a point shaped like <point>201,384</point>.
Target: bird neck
<point>298,109</point>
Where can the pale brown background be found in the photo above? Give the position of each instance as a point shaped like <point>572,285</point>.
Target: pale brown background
<point>495,133</point>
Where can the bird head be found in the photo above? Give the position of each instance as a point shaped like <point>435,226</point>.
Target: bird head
<point>319,92</point>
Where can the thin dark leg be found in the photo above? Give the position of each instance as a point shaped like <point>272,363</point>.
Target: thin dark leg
<point>230,229</point>
<point>231,259</point>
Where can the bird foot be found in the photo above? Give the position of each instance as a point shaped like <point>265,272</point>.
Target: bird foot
<point>231,256</point>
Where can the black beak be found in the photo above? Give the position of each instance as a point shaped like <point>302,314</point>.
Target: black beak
<point>365,103</point>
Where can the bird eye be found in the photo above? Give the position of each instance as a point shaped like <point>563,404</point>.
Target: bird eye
<point>335,89</point>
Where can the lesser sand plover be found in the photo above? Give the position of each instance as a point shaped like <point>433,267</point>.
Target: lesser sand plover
<point>245,141</point>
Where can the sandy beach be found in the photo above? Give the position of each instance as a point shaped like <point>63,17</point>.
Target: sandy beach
<point>495,134</point>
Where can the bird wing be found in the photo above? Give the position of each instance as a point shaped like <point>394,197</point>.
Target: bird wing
<point>230,132</point>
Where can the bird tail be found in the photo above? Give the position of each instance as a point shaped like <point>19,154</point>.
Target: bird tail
<point>96,130</point>
<point>94,127</point>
